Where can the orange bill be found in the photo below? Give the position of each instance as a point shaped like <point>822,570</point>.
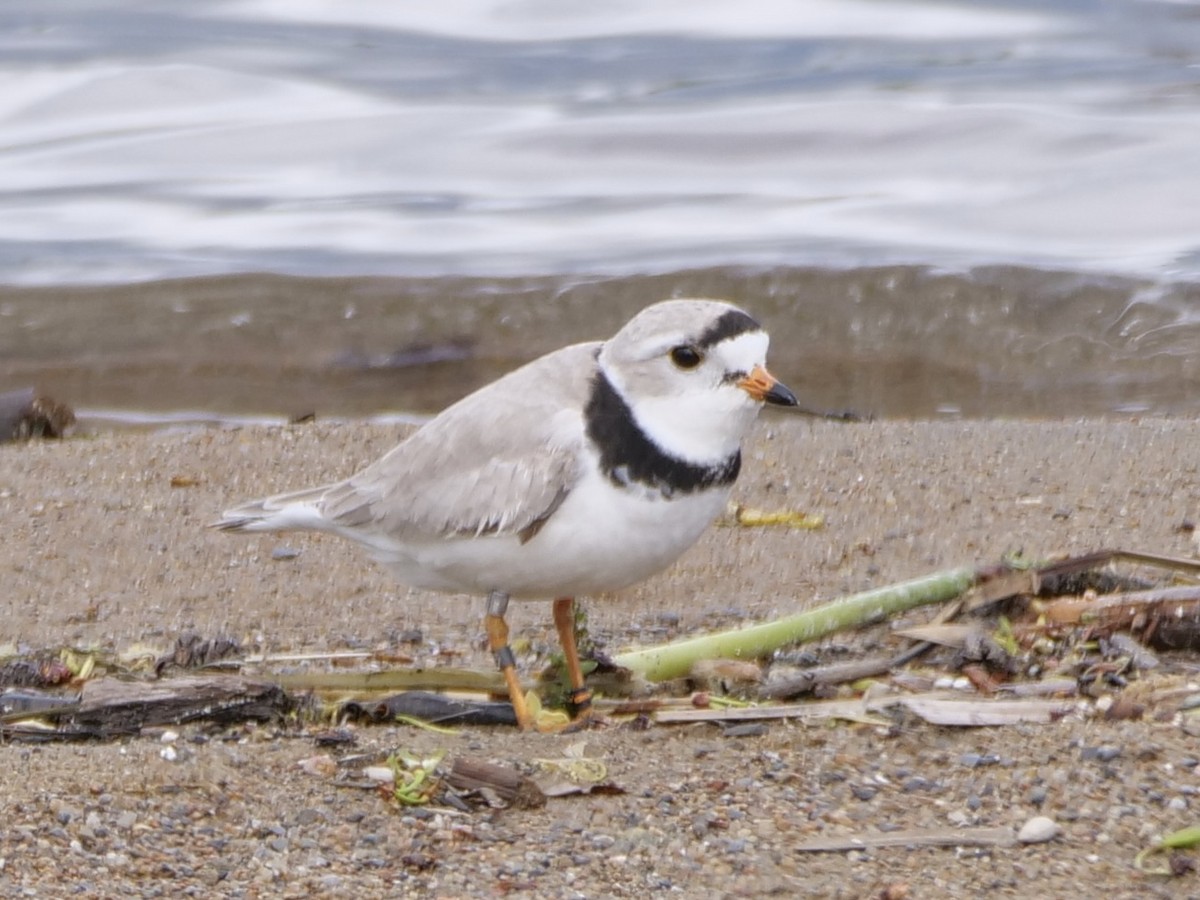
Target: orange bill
<point>766,388</point>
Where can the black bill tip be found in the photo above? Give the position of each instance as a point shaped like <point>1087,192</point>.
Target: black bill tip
<point>780,395</point>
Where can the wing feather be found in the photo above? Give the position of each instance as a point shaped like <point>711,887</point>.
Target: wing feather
<point>500,461</point>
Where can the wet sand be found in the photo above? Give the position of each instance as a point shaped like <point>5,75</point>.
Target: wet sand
<point>895,342</point>
<point>101,549</point>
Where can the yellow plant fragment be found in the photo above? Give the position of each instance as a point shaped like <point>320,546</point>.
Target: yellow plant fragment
<point>752,517</point>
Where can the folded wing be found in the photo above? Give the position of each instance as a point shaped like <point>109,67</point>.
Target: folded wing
<point>500,461</point>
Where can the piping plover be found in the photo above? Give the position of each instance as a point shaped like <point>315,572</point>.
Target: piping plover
<point>582,472</point>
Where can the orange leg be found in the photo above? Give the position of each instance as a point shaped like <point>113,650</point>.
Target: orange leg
<point>497,633</point>
<point>564,621</point>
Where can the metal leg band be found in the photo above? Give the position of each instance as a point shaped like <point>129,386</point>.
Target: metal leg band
<point>504,657</point>
<point>497,604</point>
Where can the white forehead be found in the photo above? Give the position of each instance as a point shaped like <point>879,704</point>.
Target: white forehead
<point>743,351</point>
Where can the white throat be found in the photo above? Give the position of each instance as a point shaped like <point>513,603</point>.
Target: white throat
<point>704,423</point>
<point>705,433</point>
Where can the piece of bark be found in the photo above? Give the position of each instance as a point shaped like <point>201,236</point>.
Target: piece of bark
<point>819,676</point>
<point>973,713</point>
<point>25,414</point>
<point>508,784</point>
<point>1163,618</point>
<point>110,706</point>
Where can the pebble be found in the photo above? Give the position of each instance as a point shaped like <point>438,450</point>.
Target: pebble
<point>864,791</point>
<point>65,814</point>
<point>974,760</point>
<point>1105,753</point>
<point>1038,830</point>
<point>702,823</point>
<point>308,816</point>
<point>746,729</point>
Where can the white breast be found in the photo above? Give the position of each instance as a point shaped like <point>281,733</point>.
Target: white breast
<point>601,539</point>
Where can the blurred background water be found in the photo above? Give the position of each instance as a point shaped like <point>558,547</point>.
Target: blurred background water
<point>271,207</point>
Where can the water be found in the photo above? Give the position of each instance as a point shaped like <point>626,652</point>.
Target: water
<point>940,208</point>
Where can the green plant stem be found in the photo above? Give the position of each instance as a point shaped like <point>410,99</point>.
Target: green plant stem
<point>676,660</point>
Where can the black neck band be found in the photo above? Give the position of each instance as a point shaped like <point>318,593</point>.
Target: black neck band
<point>628,456</point>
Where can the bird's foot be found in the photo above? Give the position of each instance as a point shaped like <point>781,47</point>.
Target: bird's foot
<point>557,723</point>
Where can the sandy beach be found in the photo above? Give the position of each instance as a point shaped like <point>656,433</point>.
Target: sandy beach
<point>105,544</point>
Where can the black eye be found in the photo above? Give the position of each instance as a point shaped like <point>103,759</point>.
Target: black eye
<point>686,357</point>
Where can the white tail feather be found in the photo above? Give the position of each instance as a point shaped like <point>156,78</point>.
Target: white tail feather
<point>298,511</point>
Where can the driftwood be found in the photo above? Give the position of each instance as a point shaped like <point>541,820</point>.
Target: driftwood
<point>824,676</point>
<point>26,414</point>
<point>110,706</point>
<point>1165,618</point>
